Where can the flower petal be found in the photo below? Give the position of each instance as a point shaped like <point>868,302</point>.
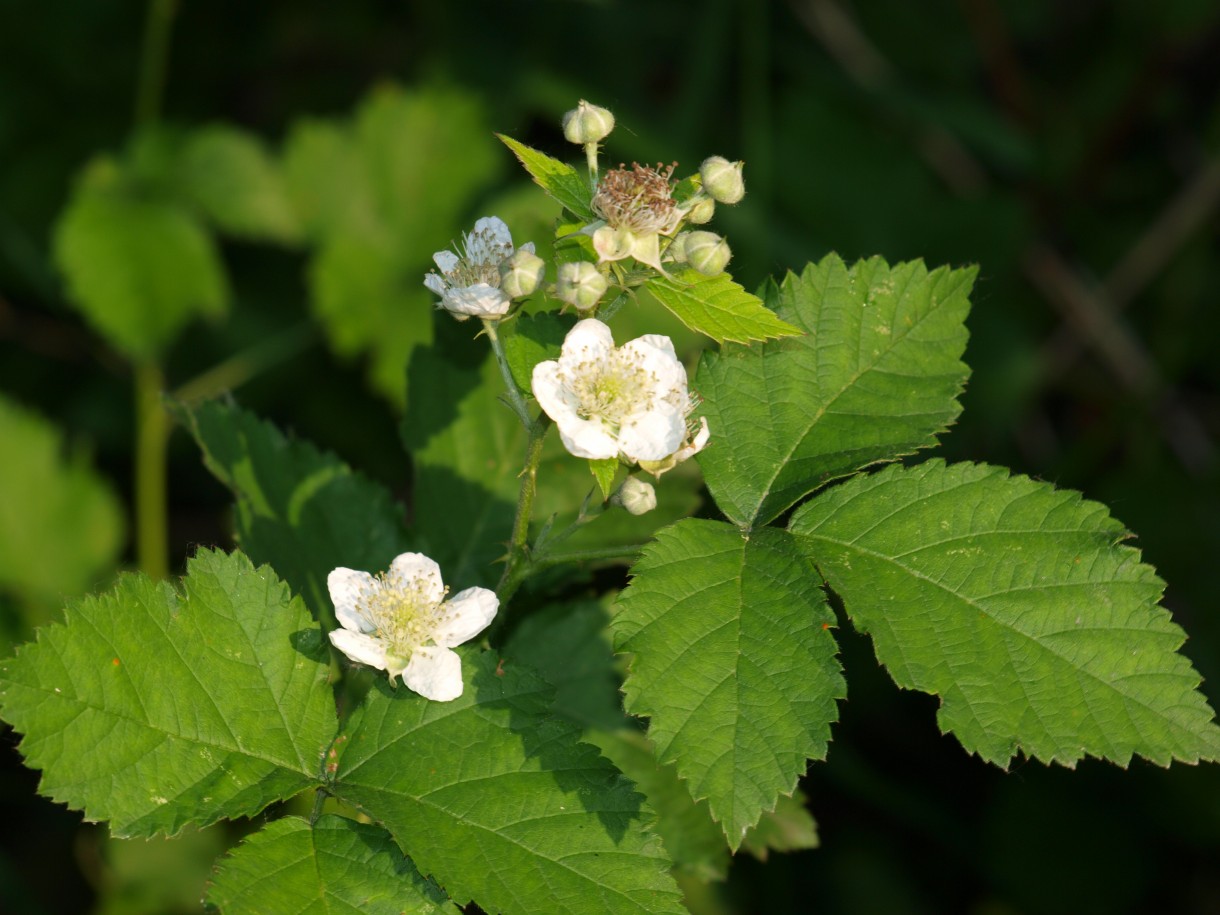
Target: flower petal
<point>652,435</point>
<point>465,615</point>
<point>589,342</point>
<point>347,587</point>
<point>435,673</point>
<point>409,568</point>
<point>361,648</point>
<point>446,261</point>
<point>480,300</point>
<point>588,438</point>
<point>436,283</point>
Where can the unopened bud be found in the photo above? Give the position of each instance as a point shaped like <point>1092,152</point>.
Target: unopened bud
<point>701,211</point>
<point>587,124</point>
<point>636,496</point>
<point>722,179</point>
<point>707,252</point>
<point>580,284</point>
<point>522,273</point>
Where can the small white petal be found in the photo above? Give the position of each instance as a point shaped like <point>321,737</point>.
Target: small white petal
<point>647,250</point>
<point>436,283</point>
<point>466,614</point>
<point>446,261</point>
<point>494,228</point>
<point>657,341</point>
<point>361,648</point>
<point>588,438</point>
<point>346,587</point>
<point>528,246</point>
<point>653,435</point>
<point>411,567</point>
<point>588,341</point>
<point>435,673</point>
<point>480,300</point>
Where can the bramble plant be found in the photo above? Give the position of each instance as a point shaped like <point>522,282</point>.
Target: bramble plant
<point>530,771</point>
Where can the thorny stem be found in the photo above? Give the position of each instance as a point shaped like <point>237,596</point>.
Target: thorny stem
<point>517,567</point>
<point>515,399</point>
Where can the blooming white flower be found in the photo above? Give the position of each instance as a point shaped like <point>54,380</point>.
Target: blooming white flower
<point>697,436</point>
<point>469,282</point>
<point>401,623</point>
<point>630,401</point>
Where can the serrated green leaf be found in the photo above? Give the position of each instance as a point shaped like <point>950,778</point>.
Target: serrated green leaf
<point>788,827</point>
<point>560,180</point>
<point>1017,604</point>
<point>533,339</point>
<point>877,377</point>
<point>301,510</point>
<point>61,524</point>
<point>156,708</point>
<point>333,867</point>
<point>604,472</point>
<point>139,268</point>
<point>718,307</point>
<point>231,177</point>
<point>732,661</point>
<point>495,777</point>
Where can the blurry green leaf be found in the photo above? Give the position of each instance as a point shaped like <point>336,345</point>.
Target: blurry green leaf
<point>604,471</point>
<point>558,179</point>
<point>788,827</point>
<point>718,307</point>
<point>383,193</point>
<point>532,339</point>
<point>155,708</point>
<point>732,662</point>
<point>1016,604</point>
<point>154,875</point>
<point>495,777</point>
<point>334,866</point>
<point>61,525</point>
<point>466,448</point>
<point>230,176</point>
<point>877,377</point>
<point>368,301</point>
<point>301,510</point>
<point>139,268</point>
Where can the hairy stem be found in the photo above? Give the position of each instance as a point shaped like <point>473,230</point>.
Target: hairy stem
<point>517,566</point>
<point>547,560</point>
<point>514,395</point>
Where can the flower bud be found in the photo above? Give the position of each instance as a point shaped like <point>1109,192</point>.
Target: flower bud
<point>521,274</point>
<point>587,124</point>
<point>701,211</point>
<point>580,284</point>
<point>636,496</point>
<point>707,252</point>
<point>722,179</point>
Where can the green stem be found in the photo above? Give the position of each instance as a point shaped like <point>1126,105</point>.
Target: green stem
<point>548,560</point>
<point>153,60</point>
<point>240,368</point>
<point>514,395</point>
<point>517,566</point>
<point>591,158</point>
<point>152,440</point>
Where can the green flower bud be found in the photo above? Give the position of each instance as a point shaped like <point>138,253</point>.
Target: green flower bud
<point>707,252</point>
<point>636,496</point>
<point>722,179</point>
<point>580,284</point>
<point>587,124</point>
<point>701,211</point>
<point>521,274</point>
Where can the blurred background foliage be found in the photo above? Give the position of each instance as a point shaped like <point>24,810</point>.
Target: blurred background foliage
<point>269,232</point>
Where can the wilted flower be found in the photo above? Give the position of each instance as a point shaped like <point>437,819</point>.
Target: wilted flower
<point>630,401</point>
<point>401,623</point>
<point>469,282</point>
<point>636,207</point>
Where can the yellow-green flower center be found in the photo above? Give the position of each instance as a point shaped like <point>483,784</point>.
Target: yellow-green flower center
<point>402,612</point>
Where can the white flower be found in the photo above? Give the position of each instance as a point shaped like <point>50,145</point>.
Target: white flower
<point>629,401</point>
<point>697,435</point>
<point>469,283</point>
<point>401,623</point>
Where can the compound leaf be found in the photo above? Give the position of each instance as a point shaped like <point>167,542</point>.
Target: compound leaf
<point>334,867</point>
<point>1018,605</point>
<point>733,663</point>
<point>155,708</point>
<point>494,776</point>
<point>876,377</point>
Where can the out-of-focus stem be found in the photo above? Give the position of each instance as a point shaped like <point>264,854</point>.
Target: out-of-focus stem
<point>152,439</point>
